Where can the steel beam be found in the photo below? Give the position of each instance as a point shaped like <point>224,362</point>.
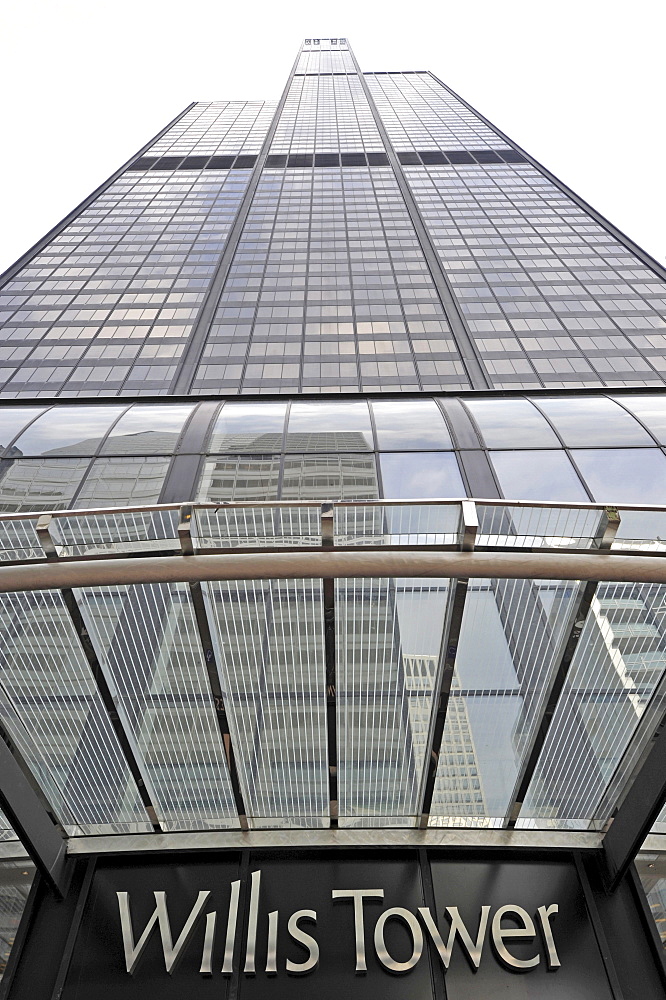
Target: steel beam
<point>37,832</point>
<point>543,564</point>
<point>550,840</point>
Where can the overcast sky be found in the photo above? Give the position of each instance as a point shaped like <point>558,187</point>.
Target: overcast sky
<point>578,83</point>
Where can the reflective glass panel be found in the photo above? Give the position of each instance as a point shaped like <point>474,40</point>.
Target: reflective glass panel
<point>624,475</point>
<point>510,646</point>
<point>619,660</point>
<point>50,705</point>
<point>511,423</point>
<point>410,425</point>
<point>329,427</point>
<point>115,482</point>
<point>147,642</point>
<point>593,421</point>
<point>249,427</point>
<point>239,479</point>
<point>269,646</point>
<point>388,642</point>
<point>40,484</point>
<point>68,430</point>
<point>651,410</point>
<point>330,477</point>
<point>12,419</point>
<point>410,476</point>
<point>147,430</point>
<point>537,475</point>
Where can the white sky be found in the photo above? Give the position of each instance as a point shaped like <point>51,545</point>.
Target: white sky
<point>578,83</point>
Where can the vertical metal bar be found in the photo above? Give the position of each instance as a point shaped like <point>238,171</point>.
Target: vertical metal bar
<point>328,541</point>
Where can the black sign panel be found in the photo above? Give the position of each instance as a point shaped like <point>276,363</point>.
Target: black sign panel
<point>283,924</point>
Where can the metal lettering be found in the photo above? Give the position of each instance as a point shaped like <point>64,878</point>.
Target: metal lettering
<point>228,966</point>
<point>302,968</point>
<point>271,950</point>
<point>251,948</point>
<point>172,953</point>
<point>209,937</point>
<point>417,940</point>
<point>474,948</point>
<point>358,895</point>
<point>526,931</point>
<point>544,916</point>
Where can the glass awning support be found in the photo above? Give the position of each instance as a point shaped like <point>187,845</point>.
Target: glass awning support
<point>328,590</point>
<point>469,526</point>
<point>35,828</point>
<point>609,524</point>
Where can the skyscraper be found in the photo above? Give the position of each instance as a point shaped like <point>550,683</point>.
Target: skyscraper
<point>432,316</point>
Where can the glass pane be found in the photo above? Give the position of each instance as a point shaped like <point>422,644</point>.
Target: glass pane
<point>410,425</point>
<point>269,644</point>
<point>40,484</point>
<point>511,423</point>
<point>510,645</point>
<point>619,660</point>
<point>52,709</point>
<point>239,479</point>
<point>330,477</point>
<point>147,642</point>
<point>13,419</point>
<point>651,410</point>
<point>624,475</point>
<point>68,430</point>
<point>329,427</point>
<point>593,421</point>
<point>388,642</point>
<point>15,882</point>
<point>250,427</point>
<point>116,482</point>
<point>428,475</point>
<point>537,475</point>
<point>147,430</point>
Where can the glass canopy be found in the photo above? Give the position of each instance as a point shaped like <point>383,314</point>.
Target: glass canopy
<point>274,699</point>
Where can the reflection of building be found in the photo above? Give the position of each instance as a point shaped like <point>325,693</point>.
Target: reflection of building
<point>364,293</point>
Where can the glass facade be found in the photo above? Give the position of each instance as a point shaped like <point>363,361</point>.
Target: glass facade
<point>431,317</point>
